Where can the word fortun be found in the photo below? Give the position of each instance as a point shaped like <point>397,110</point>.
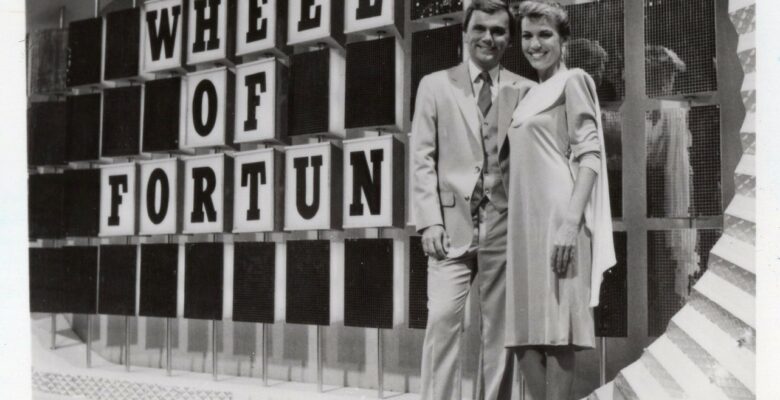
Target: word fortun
<point>253,191</point>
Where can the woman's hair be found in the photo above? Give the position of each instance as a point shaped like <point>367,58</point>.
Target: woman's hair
<point>489,7</point>
<point>549,10</point>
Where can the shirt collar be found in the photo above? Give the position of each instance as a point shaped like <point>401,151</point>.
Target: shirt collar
<point>474,72</point>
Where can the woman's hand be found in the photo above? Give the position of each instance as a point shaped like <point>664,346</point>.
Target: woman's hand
<point>564,246</point>
<point>565,239</point>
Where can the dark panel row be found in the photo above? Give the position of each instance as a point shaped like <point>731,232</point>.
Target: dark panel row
<point>677,61</point>
<point>103,280</point>
<point>70,131</point>
<point>123,34</point>
<point>77,280</point>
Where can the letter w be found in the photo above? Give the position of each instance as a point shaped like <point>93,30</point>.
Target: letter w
<point>165,35</point>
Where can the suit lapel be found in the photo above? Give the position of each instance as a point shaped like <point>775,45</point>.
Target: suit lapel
<point>464,97</point>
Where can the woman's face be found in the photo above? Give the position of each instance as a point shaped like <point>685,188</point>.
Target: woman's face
<point>541,44</point>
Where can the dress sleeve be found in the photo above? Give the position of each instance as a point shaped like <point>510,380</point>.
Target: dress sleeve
<point>591,160</point>
<point>586,136</point>
<point>581,111</point>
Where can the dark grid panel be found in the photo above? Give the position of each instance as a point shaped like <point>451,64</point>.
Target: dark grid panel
<point>418,284</point>
<point>431,8</point>
<point>663,299</point>
<point>159,277</point>
<point>123,35</point>
<point>683,162</point>
<point>309,95</point>
<point>162,105</point>
<point>368,286</point>
<point>46,124</point>
<point>611,316</point>
<point>370,85</point>
<point>705,160</point>
<point>308,282</point>
<point>116,284</point>
<point>46,273</point>
<point>686,27</point>
<point>513,58</point>
<point>434,50</point>
<point>79,280</point>
<point>596,45</point>
<point>46,200</point>
<point>82,202</point>
<point>121,121</point>
<point>612,123</point>
<point>253,282</point>
<point>203,266</point>
<point>84,52</point>
<point>676,260</point>
<point>83,127</point>
<point>47,61</point>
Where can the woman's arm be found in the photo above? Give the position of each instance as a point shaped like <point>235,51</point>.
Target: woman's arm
<point>565,238</point>
<point>581,114</point>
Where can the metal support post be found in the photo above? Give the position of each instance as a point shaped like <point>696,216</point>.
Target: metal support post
<point>89,340</point>
<point>319,358</point>
<point>379,364</point>
<point>264,340</point>
<point>168,346</point>
<point>214,349</point>
<point>53,331</point>
<point>127,343</point>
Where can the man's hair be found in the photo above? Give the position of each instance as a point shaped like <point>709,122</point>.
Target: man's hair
<point>549,10</point>
<point>489,7</point>
<point>583,51</point>
<point>661,67</point>
<point>659,58</point>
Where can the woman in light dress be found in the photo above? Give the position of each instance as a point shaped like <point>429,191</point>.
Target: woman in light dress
<point>560,226</point>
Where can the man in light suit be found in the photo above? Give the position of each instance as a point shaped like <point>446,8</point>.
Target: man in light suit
<point>460,201</point>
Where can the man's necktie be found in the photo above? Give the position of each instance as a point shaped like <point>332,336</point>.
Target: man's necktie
<point>485,97</point>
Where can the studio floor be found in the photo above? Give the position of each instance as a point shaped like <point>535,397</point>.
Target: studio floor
<point>62,374</point>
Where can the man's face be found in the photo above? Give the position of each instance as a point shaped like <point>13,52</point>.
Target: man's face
<point>486,37</point>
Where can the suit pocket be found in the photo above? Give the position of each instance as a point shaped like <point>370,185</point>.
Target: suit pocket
<point>447,199</point>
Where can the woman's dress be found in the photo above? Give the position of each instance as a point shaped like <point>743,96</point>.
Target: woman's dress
<point>554,124</point>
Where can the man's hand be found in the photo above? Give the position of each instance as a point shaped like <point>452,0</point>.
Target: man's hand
<point>436,242</point>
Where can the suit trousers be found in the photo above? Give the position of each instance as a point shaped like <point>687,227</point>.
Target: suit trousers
<point>449,282</point>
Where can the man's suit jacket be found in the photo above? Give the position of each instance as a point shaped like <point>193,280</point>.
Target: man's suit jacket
<point>446,151</point>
